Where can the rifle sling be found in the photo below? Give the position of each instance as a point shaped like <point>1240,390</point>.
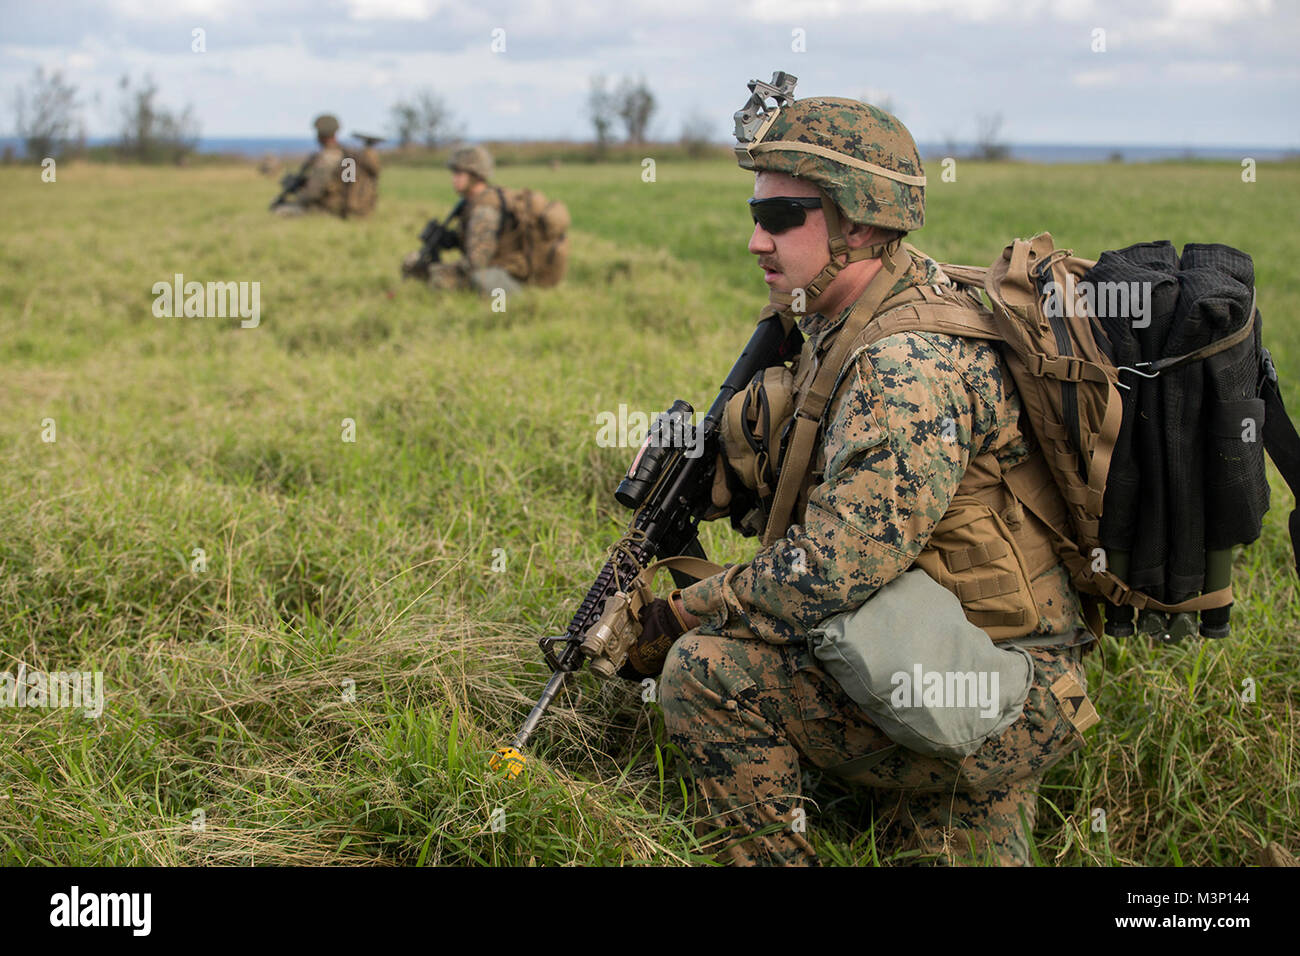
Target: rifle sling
<point>501,223</point>
<point>698,568</point>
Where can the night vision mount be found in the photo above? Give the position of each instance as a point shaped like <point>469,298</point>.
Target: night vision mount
<point>755,114</point>
<point>753,119</point>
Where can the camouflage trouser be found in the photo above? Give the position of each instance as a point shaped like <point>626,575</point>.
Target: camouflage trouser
<point>451,275</point>
<point>744,713</point>
<point>411,268</point>
<point>291,210</point>
<point>448,275</point>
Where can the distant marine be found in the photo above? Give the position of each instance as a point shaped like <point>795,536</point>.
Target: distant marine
<point>508,238</point>
<point>335,179</point>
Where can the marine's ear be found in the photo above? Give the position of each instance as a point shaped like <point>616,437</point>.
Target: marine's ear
<point>858,235</point>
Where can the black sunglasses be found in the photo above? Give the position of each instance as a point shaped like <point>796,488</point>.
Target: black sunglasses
<point>780,213</point>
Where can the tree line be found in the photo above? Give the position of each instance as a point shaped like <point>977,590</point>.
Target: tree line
<point>48,118</point>
<point>49,121</point>
<point>425,119</point>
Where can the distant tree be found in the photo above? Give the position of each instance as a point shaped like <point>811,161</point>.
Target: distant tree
<point>602,107</point>
<point>425,119</point>
<point>636,104</point>
<point>48,116</point>
<point>988,145</point>
<point>697,134</point>
<point>152,133</point>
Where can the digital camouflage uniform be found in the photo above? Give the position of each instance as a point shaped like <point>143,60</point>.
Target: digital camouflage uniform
<point>323,191</point>
<point>743,696</point>
<point>482,266</point>
<point>324,188</point>
<point>479,266</point>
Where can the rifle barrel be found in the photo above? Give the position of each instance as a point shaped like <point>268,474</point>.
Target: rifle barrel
<point>543,703</point>
<point>661,531</point>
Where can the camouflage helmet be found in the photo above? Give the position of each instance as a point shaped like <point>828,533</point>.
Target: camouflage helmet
<point>861,156</point>
<point>472,159</point>
<point>326,125</point>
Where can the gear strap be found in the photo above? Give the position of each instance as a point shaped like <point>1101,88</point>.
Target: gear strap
<point>838,246</point>
<point>1283,445</point>
<point>808,415</point>
<point>1215,347</point>
<point>639,588</point>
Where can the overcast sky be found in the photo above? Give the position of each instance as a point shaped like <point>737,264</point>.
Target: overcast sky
<point>1176,72</point>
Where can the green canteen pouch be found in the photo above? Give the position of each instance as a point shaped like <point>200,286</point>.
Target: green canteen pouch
<point>931,680</point>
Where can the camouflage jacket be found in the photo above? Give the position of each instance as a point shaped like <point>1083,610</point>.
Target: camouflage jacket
<point>887,476</point>
<point>480,226</point>
<point>484,240</point>
<point>324,186</point>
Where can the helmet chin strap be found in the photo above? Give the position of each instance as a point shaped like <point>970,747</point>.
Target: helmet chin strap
<point>838,248</point>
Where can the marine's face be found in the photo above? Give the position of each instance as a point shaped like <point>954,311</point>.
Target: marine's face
<point>792,258</point>
<point>460,181</point>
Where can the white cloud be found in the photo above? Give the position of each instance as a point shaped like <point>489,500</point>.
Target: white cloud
<point>1198,21</point>
<point>1096,79</point>
<point>1204,71</point>
<point>355,57</point>
<point>1222,10</point>
<point>1075,9</point>
<point>174,9</point>
<point>392,9</point>
<point>791,11</point>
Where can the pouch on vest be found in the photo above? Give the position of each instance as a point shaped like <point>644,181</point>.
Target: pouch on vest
<point>973,554</point>
<point>753,432</point>
<point>932,681</point>
<point>754,426</point>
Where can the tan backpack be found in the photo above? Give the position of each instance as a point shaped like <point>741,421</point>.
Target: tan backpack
<point>362,195</point>
<point>536,230</point>
<point>1069,390</point>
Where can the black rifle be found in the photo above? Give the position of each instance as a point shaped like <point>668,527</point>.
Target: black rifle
<point>669,487</point>
<point>292,182</point>
<point>438,236</point>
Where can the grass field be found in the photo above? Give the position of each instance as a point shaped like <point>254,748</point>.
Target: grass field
<point>323,680</point>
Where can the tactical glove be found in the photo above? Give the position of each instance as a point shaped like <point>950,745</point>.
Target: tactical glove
<point>661,625</point>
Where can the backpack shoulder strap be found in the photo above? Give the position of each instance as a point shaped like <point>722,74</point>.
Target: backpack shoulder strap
<point>505,211</point>
<point>926,309</point>
<point>930,312</point>
<point>918,309</point>
<point>813,402</point>
<point>965,275</point>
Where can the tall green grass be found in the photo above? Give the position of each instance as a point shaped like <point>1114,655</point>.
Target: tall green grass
<point>329,688</point>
